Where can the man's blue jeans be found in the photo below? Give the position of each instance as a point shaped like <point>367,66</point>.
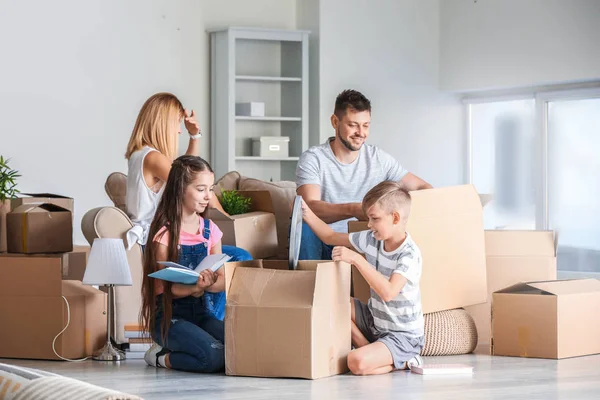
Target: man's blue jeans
<point>311,247</point>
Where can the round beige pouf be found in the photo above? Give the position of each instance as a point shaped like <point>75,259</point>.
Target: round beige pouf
<point>448,333</point>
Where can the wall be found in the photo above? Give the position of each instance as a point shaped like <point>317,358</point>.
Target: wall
<point>74,75</point>
<point>389,50</point>
<point>498,44</point>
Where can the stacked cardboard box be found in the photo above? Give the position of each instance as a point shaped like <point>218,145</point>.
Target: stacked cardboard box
<point>40,284</point>
<point>37,295</point>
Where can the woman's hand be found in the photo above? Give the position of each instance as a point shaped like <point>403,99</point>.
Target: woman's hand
<point>192,126</point>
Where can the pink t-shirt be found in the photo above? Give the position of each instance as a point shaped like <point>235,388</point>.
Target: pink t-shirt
<point>188,239</point>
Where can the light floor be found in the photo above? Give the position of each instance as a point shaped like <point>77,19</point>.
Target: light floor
<point>493,378</point>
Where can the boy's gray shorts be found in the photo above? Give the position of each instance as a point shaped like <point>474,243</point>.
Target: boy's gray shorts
<point>402,347</point>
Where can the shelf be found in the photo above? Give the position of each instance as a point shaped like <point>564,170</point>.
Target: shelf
<point>244,118</point>
<point>267,78</point>
<point>252,158</point>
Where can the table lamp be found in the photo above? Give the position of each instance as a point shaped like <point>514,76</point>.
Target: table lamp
<point>107,266</point>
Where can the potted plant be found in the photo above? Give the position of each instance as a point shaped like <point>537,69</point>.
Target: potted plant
<point>8,190</point>
<point>234,203</point>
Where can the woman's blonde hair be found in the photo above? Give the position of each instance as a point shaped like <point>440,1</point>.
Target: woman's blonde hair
<point>156,125</point>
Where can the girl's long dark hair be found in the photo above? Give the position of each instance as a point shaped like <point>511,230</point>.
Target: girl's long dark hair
<point>168,214</point>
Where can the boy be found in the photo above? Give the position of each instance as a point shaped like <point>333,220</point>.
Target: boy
<point>387,333</point>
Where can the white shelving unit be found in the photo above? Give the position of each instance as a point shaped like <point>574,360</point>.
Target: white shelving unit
<point>265,65</point>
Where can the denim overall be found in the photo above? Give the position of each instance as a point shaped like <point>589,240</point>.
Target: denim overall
<point>195,336</point>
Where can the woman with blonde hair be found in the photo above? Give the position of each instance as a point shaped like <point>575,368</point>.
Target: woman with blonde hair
<point>151,150</point>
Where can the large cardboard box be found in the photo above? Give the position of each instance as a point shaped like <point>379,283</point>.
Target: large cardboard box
<point>33,311</point>
<point>254,231</point>
<point>40,228</point>
<point>282,323</point>
<point>43,198</point>
<point>447,225</point>
<point>553,319</point>
<point>513,257</point>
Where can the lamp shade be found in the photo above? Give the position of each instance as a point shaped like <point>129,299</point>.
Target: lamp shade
<point>107,264</point>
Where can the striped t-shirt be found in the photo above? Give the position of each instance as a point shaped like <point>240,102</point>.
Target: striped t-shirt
<point>403,313</point>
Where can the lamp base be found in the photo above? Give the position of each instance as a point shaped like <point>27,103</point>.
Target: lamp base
<point>109,353</point>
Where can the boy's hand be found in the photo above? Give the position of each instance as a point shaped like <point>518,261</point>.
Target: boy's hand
<point>341,253</point>
<point>306,211</point>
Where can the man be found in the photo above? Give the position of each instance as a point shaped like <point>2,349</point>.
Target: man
<point>333,177</point>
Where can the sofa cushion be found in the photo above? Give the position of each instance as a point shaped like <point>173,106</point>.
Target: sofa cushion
<point>282,194</point>
<point>229,181</point>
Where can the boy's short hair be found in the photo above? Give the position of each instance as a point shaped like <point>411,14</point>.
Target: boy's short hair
<point>390,196</point>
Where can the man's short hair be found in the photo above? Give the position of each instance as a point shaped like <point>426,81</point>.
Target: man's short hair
<point>351,99</point>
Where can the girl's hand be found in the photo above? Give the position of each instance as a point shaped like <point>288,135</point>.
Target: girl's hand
<point>192,126</point>
<point>341,253</point>
<point>206,279</point>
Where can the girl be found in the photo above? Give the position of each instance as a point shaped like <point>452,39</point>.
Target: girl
<point>152,148</point>
<point>187,337</point>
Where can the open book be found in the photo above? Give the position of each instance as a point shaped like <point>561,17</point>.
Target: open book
<point>178,273</point>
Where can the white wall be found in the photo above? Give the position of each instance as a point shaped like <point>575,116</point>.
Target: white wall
<point>389,50</point>
<point>492,44</point>
<point>74,74</point>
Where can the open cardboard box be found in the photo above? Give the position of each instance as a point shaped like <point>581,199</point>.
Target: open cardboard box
<point>447,225</point>
<point>513,257</point>
<point>254,231</point>
<point>552,319</point>
<point>282,323</point>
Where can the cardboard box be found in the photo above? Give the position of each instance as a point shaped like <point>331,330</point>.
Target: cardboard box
<point>282,323</point>
<point>553,319</point>
<point>4,210</point>
<point>72,265</point>
<point>33,310</point>
<point>513,257</point>
<point>43,198</point>
<point>40,228</point>
<point>447,225</point>
<point>255,231</point>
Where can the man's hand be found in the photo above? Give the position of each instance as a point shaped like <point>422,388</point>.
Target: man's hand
<point>192,126</point>
<point>341,253</point>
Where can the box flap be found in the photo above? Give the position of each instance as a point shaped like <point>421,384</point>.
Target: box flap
<point>230,268</point>
<point>261,200</point>
<point>522,288</point>
<point>48,195</point>
<point>271,288</point>
<point>447,225</point>
<point>519,243</point>
<point>566,287</point>
<point>332,284</point>
<point>38,207</point>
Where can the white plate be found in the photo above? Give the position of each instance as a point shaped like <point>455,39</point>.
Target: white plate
<point>295,232</point>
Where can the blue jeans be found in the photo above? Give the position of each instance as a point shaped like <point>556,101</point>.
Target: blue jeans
<point>311,247</point>
<point>195,338</point>
<point>215,302</point>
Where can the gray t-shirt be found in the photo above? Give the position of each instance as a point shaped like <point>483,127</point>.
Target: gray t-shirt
<point>346,183</point>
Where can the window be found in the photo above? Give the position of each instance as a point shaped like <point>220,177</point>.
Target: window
<point>538,156</point>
